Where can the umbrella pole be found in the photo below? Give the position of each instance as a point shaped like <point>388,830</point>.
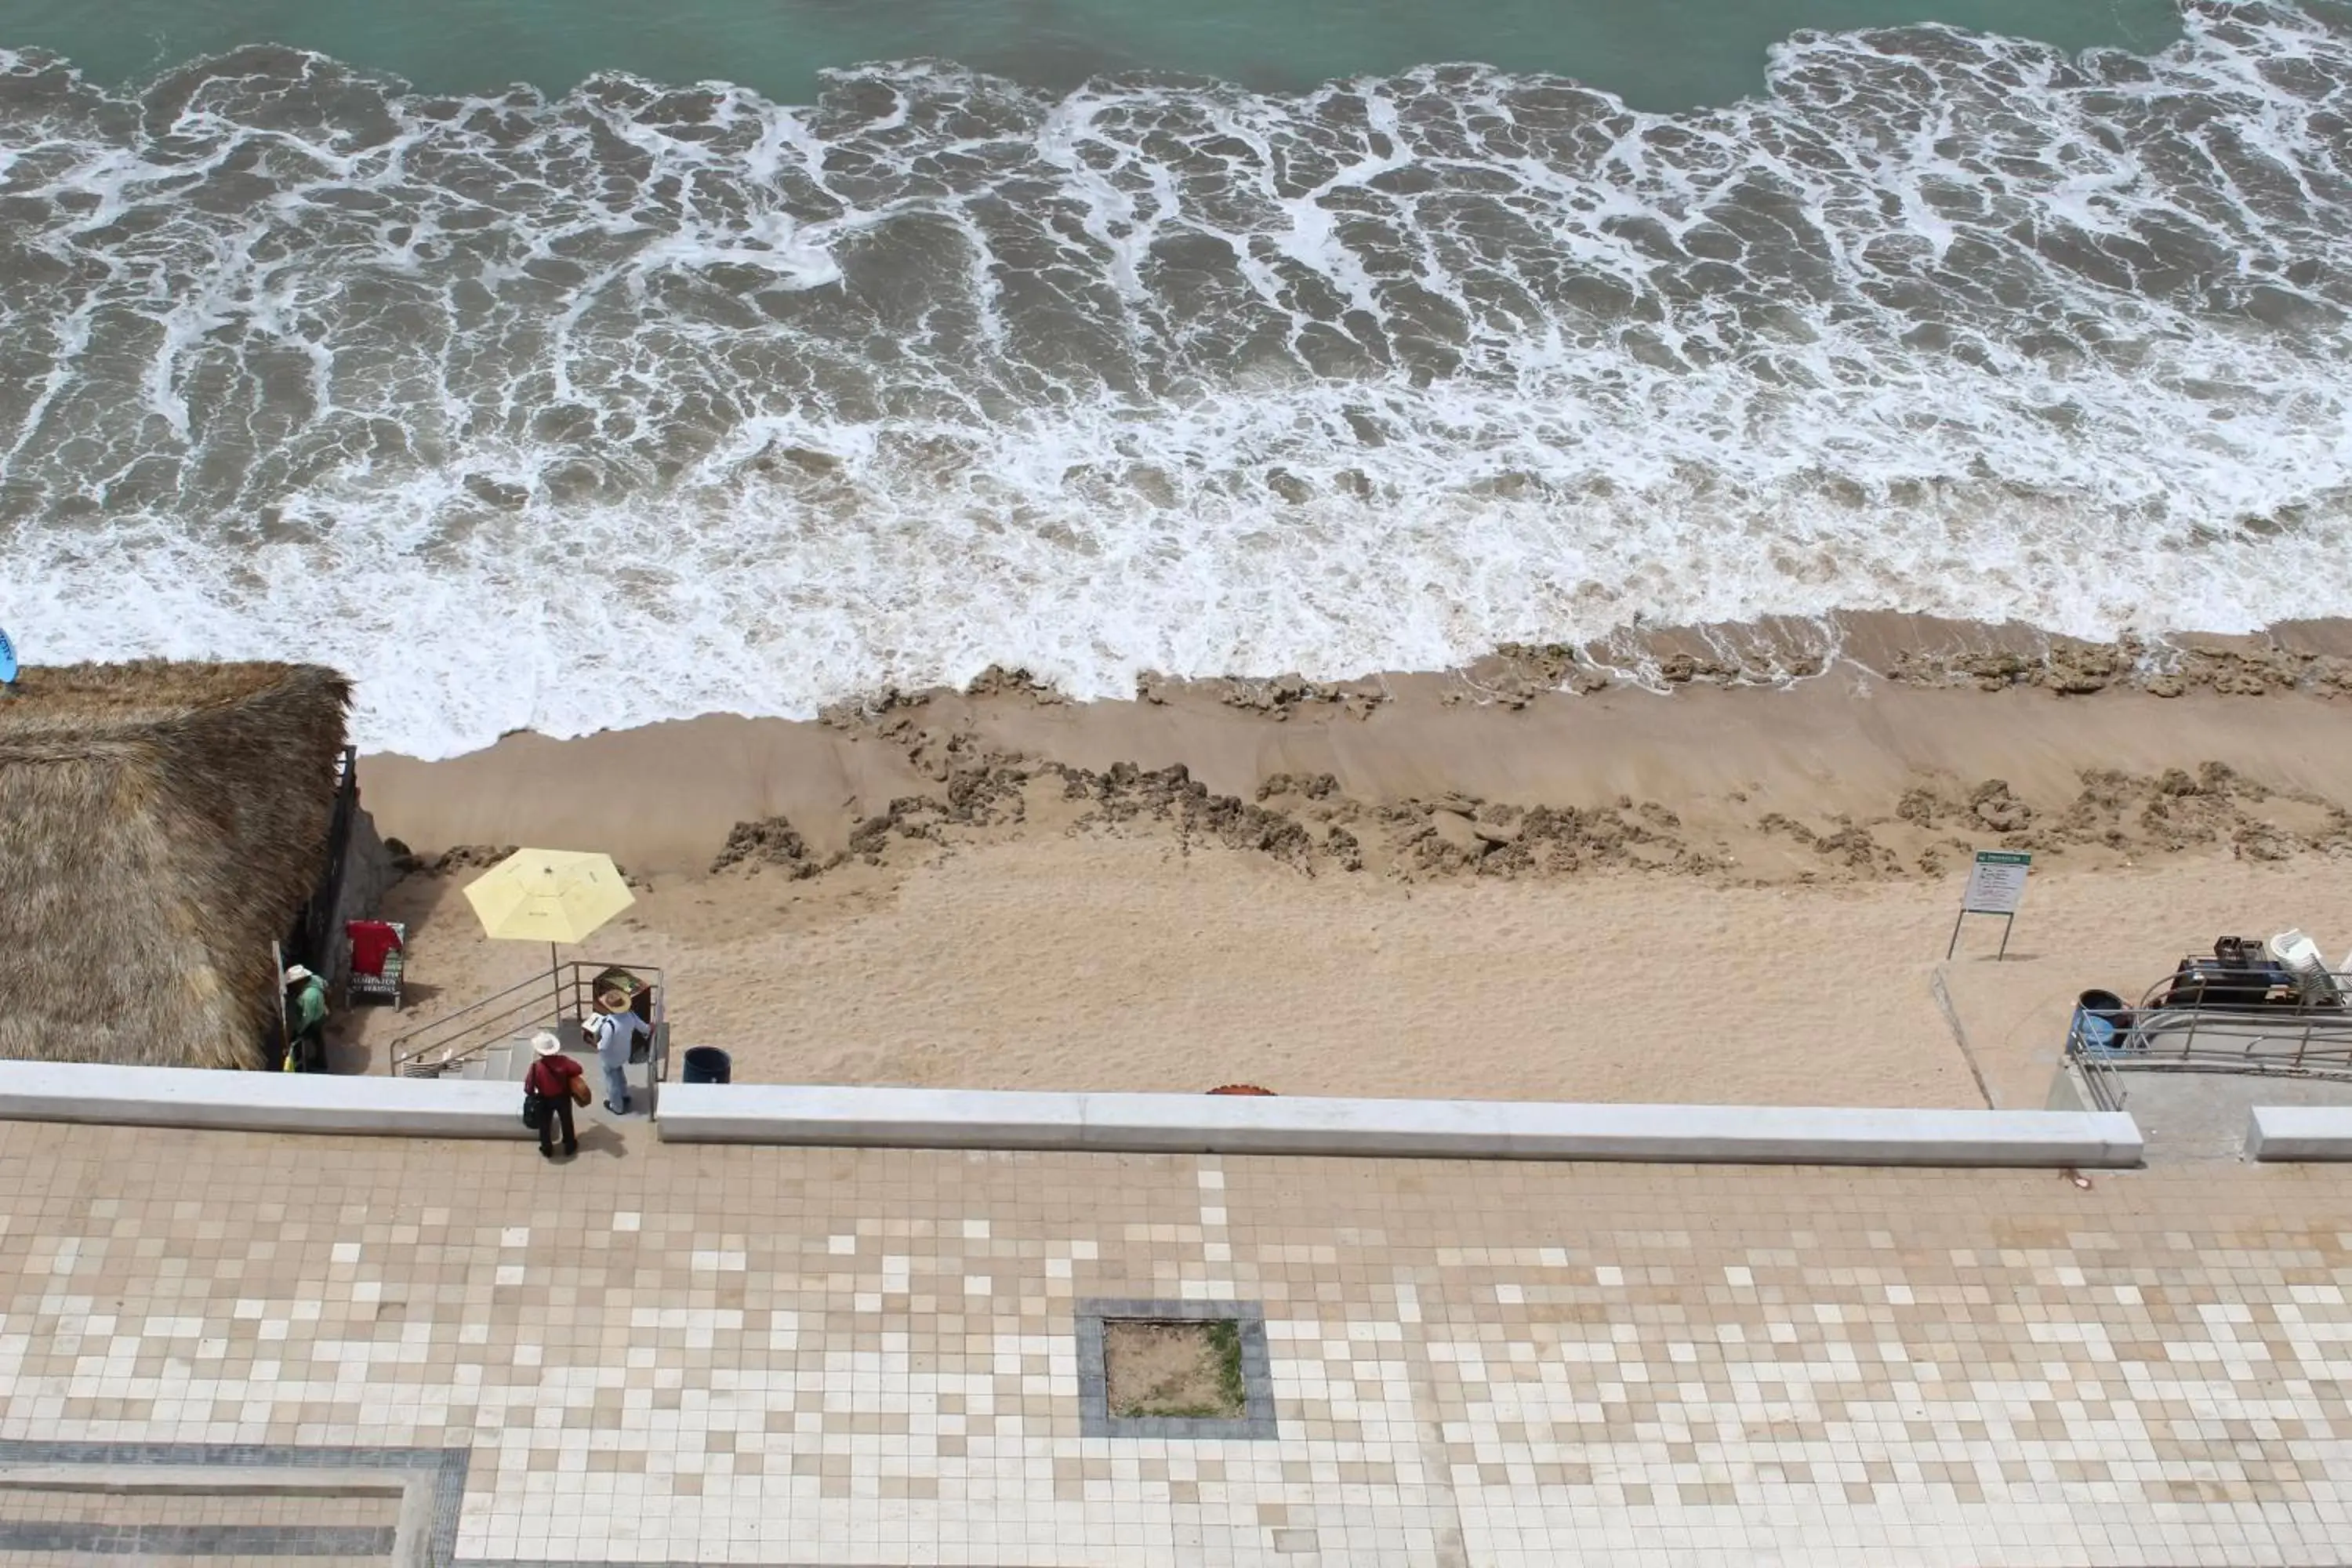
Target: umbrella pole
<point>555,980</point>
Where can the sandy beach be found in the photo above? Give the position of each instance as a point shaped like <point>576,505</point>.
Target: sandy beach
<point>1472,885</point>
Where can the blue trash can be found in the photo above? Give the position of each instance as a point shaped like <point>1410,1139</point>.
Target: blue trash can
<point>707,1064</point>
<point>2100,1019</point>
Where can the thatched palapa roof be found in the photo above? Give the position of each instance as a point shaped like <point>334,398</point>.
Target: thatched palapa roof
<point>161,824</point>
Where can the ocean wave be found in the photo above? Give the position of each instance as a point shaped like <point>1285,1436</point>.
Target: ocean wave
<point>645,401</point>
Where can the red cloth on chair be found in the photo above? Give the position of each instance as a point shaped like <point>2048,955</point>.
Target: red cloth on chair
<point>372,941</point>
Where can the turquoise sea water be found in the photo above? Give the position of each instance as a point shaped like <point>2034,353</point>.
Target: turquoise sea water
<point>1655,53</point>
<point>570,365</point>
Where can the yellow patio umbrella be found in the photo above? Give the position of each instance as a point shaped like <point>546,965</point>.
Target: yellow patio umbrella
<point>550,896</point>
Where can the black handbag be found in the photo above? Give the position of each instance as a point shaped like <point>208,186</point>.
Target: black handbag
<point>534,1111</point>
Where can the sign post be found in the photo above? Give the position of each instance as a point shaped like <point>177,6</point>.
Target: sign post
<point>1996,887</point>
<point>285,1038</point>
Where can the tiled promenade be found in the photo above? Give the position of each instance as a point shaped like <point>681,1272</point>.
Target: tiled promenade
<point>777,1356</point>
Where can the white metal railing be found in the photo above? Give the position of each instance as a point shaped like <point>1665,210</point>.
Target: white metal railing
<point>2257,1017</point>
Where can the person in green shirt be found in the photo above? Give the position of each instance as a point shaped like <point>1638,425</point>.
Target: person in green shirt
<point>306,1021</point>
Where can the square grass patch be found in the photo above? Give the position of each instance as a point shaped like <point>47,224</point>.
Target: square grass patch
<point>1190,1371</point>
<point>1173,1369</point>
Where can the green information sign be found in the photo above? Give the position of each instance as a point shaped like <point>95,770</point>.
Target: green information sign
<point>1996,887</point>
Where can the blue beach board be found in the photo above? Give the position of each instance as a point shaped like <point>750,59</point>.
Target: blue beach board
<point>8,660</point>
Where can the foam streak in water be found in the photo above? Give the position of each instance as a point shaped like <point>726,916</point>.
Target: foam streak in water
<point>645,402</point>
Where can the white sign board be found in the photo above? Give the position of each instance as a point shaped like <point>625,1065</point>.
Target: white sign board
<point>1996,885</point>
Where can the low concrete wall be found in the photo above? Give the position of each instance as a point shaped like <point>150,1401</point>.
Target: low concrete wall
<point>2299,1132</point>
<point>259,1102</point>
<point>1461,1129</point>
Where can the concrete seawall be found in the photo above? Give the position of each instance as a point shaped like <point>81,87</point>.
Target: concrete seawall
<point>2281,1132</point>
<point>827,1114</point>
<point>1161,1123</point>
<point>259,1102</point>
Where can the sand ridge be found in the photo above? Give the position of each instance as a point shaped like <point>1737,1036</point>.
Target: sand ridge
<point>1314,824</point>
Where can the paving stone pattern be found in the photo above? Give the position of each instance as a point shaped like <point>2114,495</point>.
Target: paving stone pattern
<point>43,1525</point>
<point>106,1538</point>
<point>832,1356</point>
<point>272,1502</point>
<point>136,1510</point>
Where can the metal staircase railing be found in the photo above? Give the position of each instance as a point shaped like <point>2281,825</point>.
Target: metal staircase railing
<point>2259,1020</point>
<point>445,1043</point>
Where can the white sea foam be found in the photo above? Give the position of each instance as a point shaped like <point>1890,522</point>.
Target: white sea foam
<point>648,401</point>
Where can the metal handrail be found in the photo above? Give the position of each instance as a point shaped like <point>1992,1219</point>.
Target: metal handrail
<point>657,1059</point>
<point>2307,1034</point>
<point>419,1042</point>
<point>453,1040</point>
<point>2205,969</point>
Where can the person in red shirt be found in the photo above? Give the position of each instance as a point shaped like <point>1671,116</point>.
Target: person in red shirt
<point>372,943</point>
<point>550,1077</point>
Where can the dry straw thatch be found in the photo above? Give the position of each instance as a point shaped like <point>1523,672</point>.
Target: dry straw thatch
<point>161,824</point>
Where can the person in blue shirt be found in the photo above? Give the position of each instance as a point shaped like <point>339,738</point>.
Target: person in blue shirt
<point>614,1030</point>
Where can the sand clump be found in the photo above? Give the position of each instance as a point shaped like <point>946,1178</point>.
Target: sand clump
<point>1278,698</point>
<point>461,859</point>
<point>1309,823</point>
<point>997,680</point>
<point>1124,795</point>
<point>1914,651</point>
<point>2164,814</point>
<point>994,791</point>
<point>458,857</point>
<point>1464,835</point>
<point>2161,670</point>
<point>1517,674</point>
<point>769,842</point>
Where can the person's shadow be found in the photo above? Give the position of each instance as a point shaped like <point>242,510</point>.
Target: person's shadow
<point>603,1140</point>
